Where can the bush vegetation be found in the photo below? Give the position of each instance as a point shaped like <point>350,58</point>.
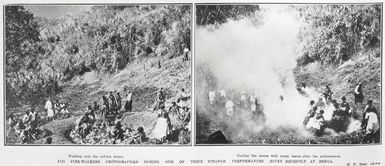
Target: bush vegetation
<point>335,33</point>
<point>43,53</point>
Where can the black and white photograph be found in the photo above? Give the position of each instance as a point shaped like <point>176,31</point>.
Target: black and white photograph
<point>288,74</point>
<point>97,74</point>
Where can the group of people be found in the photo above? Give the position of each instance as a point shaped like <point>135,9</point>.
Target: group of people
<point>56,109</point>
<point>314,120</point>
<point>180,107</point>
<point>112,104</point>
<point>163,128</point>
<point>245,102</point>
<point>88,131</point>
<point>340,120</point>
<point>26,127</point>
<point>102,124</point>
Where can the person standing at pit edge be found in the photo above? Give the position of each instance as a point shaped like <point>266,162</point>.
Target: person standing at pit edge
<point>49,107</point>
<point>358,95</point>
<point>229,107</point>
<point>128,104</point>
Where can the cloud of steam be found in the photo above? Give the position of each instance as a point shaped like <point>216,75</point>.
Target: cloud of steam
<point>242,55</point>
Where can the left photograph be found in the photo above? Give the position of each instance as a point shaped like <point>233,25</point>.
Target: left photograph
<point>97,74</point>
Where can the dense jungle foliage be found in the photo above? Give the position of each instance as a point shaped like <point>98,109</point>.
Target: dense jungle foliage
<point>335,33</point>
<point>43,53</point>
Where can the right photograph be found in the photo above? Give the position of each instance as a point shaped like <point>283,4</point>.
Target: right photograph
<point>302,74</point>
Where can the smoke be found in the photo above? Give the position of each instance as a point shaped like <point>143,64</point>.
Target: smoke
<point>243,55</point>
<point>259,58</point>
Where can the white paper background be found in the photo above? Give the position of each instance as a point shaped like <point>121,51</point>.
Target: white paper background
<point>48,155</point>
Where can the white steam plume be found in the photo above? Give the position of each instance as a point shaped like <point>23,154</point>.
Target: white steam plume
<point>242,55</point>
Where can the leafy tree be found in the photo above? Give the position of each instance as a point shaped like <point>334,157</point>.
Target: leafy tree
<point>23,56</point>
<point>20,27</point>
<point>218,14</point>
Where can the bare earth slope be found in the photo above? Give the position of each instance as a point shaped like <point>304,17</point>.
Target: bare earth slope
<point>142,76</point>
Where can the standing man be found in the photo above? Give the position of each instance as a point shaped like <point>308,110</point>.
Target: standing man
<point>222,98</point>
<point>319,125</point>
<point>253,104</point>
<point>162,95</point>
<point>212,97</point>
<point>128,104</point>
<point>185,53</point>
<point>371,120</point>
<point>229,108</point>
<point>183,99</point>
<point>105,107</point>
<point>368,108</point>
<point>358,95</point>
<point>111,102</point>
<point>243,101</point>
<point>311,104</point>
<point>338,119</point>
<point>310,115</point>
<point>49,108</point>
<point>33,118</point>
<point>328,93</point>
<point>118,101</point>
<point>160,99</point>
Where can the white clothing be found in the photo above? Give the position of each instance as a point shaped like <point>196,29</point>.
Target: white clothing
<point>161,129</point>
<point>356,90</point>
<point>252,101</point>
<point>48,105</point>
<point>314,123</point>
<point>65,111</point>
<point>186,50</point>
<point>373,124</point>
<point>243,98</point>
<point>223,93</point>
<point>33,115</point>
<point>211,97</point>
<point>311,123</point>
<point>49,108</point>
<point>229,108</point>
<point>129,97</point>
